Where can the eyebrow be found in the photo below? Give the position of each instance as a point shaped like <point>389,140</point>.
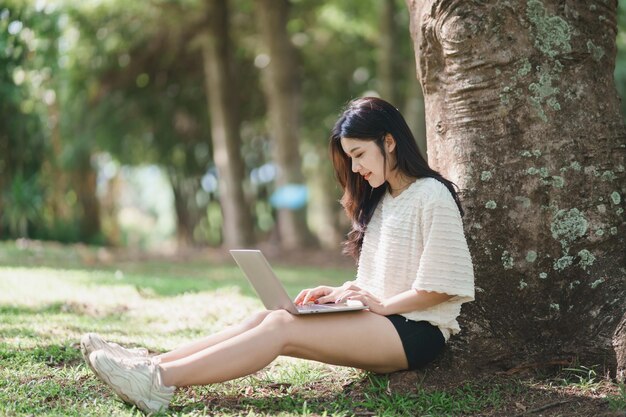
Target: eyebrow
<point>354,149</point>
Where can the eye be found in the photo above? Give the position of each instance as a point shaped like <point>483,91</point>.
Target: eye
<point>359,155</point>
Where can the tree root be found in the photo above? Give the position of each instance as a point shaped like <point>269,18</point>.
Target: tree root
<point>543,407</point>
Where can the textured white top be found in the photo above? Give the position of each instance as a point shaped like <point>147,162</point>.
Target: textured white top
<point>416,240</point>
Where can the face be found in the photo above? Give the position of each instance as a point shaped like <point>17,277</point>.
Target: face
<point>367,160</point>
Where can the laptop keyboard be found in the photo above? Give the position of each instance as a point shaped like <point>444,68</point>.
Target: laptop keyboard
<point>308,307</point>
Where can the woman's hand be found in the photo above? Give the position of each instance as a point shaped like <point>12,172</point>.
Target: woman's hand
<point>348,291</point>
<point>322,294</point>
<point>373,303</point>
<point>312,295</point>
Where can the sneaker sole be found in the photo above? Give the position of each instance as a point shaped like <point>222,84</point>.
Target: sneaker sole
<point>139,404</point>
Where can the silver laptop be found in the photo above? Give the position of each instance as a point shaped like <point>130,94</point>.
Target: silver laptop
<point>272,293</point>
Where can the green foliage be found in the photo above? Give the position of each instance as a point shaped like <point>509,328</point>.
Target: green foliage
<point>128,79</point>
<point>79,78</point>
<point>22,205</point>
<point>618,402</point>
<point>584,378</point>
<point>26,59</point>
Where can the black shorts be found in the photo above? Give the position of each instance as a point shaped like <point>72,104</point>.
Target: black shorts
<point>422,341</point>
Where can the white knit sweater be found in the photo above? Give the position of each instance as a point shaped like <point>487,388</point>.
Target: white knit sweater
<point>416,240</point>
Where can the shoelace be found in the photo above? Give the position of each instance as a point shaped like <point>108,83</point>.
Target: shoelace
<point>130,363</point>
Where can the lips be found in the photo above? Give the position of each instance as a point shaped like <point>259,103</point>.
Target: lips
<point>367,176</point>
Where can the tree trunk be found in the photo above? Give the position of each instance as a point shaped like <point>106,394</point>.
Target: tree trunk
<point>281,84</point>
<point>387,52</point>
<point>187,212</point>
<point>56,178</point>
<point>414,111</point>
<point>238,230</point>
<point>84,182</point>
<point>522,113</point>
<point>323,207</point>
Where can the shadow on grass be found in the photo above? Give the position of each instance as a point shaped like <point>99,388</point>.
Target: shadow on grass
<point>61,307</point>
<point>54,355</point>
<point>367,396</point>
<point>370,397</point>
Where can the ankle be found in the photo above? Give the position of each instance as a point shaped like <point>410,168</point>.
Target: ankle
<point>166,375</point>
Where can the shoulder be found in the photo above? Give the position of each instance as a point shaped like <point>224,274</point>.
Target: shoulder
<point>430,190</point>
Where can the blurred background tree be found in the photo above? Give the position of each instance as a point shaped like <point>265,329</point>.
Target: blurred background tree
<point>106,133</point>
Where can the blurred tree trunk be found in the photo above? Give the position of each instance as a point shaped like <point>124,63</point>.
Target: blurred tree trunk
<point>281,85</point>
<point>187,212</point>
<point>223,110</point>
<point>4,176</point>
<point>84,184</point>
<point>522,113</point>
<point>389,75</point>
<point>388,52</point>
<point>323,209</point>
<point>54,177</point>
<point>414,110</point>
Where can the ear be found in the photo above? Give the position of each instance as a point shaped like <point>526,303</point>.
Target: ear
<point>390,143</point>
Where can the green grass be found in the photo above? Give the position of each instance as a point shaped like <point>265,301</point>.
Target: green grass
<point>583,378</point>
<point>618,402</point>
<point>49,297</point>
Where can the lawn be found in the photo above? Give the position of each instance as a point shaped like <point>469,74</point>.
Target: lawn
<point>51,294</point>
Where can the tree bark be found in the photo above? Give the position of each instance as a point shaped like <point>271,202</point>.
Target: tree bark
<point>281,84</point>
<point>522,113</point>
<point>238,229</point>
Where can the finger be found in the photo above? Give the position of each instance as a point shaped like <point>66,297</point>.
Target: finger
<point>314,294</point>
<point>344,295</point>
<point>330,298</point>
<point>301,296</point>
<point>305,295</point>
<point>359,297</point>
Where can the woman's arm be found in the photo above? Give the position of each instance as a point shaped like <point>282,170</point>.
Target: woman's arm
<point>412,300</point>
<point>407,301</point>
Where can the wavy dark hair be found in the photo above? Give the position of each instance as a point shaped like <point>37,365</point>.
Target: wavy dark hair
<point>371,119</point>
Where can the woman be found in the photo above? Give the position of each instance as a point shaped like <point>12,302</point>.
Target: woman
<point>414,272</point>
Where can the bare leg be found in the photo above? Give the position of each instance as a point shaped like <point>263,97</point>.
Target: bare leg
<point>198,345</point>
<point>361,339</point>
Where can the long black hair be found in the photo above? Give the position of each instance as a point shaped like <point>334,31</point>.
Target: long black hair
<point>371,119</point>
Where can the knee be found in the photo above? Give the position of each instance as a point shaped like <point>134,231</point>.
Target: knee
<point>260,316</point>
<point>279,324</point>
<point>277,319</point>
<point>256,319</point>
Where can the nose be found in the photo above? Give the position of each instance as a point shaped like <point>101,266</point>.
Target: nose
<point>355,166</point>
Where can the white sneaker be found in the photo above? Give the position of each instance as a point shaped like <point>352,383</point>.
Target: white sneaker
<point>90,342</point>
<point>137,382</point>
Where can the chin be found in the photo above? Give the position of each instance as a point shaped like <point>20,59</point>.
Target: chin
<point>376,184</point>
